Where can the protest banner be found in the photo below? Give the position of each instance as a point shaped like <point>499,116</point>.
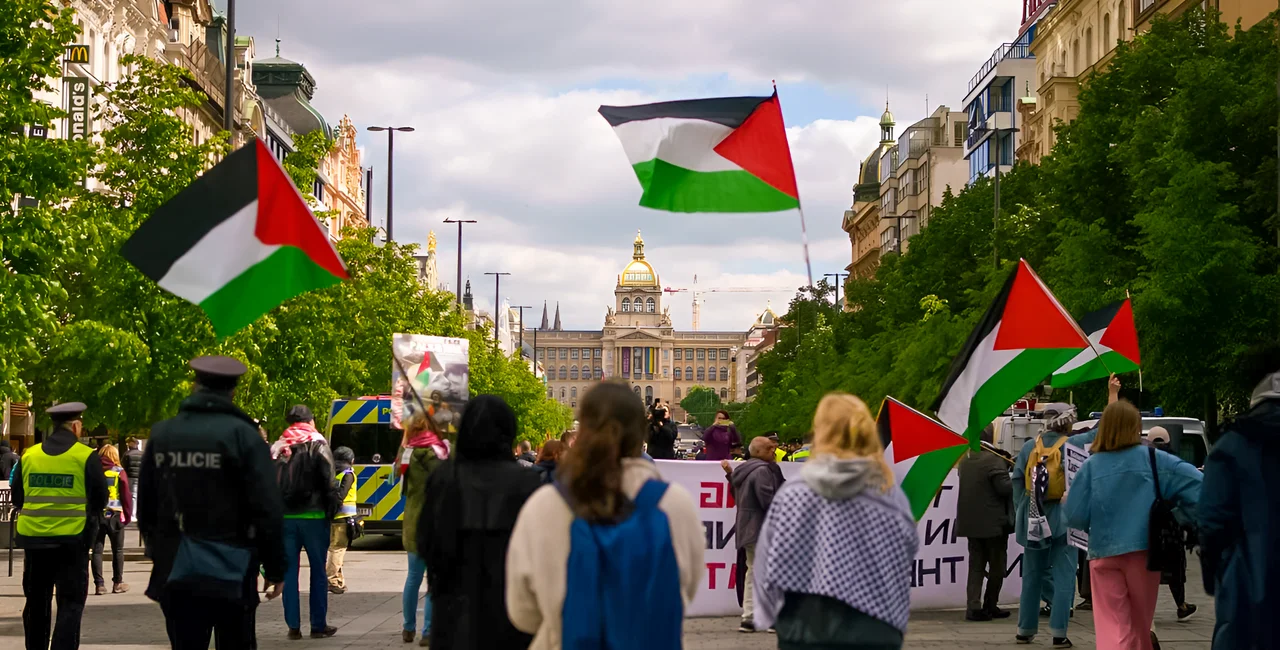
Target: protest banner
<point>1073,457</point>
<point>437,369</point>
<point>938,573</point>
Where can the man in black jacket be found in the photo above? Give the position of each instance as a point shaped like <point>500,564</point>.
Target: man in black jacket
<point>207,479</point>
<point>7,460</point>
<point>985,516</point>
<point>132,468</point>
<point>53,532</point>
<point>662,435</point>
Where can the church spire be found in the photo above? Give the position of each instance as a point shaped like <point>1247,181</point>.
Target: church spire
<point>886,124</point>
<point>556,327</point>
<point>545,323</point>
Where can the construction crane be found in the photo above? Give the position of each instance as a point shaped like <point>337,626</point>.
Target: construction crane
<point>697,295</point>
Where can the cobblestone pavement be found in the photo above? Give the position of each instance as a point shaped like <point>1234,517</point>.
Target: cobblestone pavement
<point>368,616</point>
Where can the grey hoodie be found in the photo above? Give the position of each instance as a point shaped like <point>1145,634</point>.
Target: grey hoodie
<point>837,479</point>
<point>754,483</point>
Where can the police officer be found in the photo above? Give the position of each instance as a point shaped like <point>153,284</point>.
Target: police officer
<point>207,476</point>
<point>56,486</point>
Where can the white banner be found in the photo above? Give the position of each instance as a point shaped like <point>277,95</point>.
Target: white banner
<point>939,572</point>
<point>1072,458</point>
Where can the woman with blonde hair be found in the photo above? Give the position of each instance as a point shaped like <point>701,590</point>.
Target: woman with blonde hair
<point>1111,498</point>
<point>111,522</point>
<point>834,556</point>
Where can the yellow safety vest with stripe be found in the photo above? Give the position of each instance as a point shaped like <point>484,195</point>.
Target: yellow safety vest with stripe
<point>348,508</point>
<point>113,489</point>
<point>801,455</point>
<point>54,494</point>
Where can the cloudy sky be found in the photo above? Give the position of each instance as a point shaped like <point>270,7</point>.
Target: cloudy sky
<point>503,95</point>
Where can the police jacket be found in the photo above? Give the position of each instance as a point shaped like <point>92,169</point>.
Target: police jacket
<point>209,467</point>
<point>58,443</point>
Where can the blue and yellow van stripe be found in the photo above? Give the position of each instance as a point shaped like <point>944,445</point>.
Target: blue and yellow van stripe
<point>360,411</point>
<point>376,485</point>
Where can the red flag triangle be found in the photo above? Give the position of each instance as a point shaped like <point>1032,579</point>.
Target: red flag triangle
<point>760,147</point>
<point>1122,334</point>
<point>1033,318</point>
<point>912,432</point>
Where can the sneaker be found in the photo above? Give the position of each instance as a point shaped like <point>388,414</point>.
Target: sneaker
<point>1061,642</point>
<point>996,613</point>
<point>100,590</point>
<point>295,634</point>
<point>407,636</point>
<point>1025,639</point>
<point>1186,612</point>
<point>1045,611</point>
<point>976,615</point>
<point>773,630</point>
<point>120,588</point>
<point>747,627</point>
<point>1085,605</point>
<point>324,633</point>
<point>425,641</point>
<point>337,590</point>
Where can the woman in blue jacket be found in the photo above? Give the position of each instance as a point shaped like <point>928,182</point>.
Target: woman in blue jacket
<point>1111,498</point>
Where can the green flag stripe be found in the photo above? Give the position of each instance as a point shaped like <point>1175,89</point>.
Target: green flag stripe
<point>926,475</point>
<point>676,189</point>
<point>286,273</point>
<point>1097,368</point>
<point>1010,384</point>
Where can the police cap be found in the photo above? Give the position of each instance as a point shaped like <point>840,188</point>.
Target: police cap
<point>218,372</point>
<point>67,412</point>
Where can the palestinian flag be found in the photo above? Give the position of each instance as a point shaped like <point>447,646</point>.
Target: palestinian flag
<point>709,155</point>
<point>1024,337</point>
<point>921,451</point>
<point>238,242</point>
<point>1115,347</point>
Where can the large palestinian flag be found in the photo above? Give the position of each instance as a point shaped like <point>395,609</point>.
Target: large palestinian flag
<point>1024,337</point>
<point>238,242</point>
<point>709,155</point>
<point>1115,346</point>
<point>921,451</point>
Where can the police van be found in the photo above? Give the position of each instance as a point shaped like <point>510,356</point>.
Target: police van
<point>1024,421</point>
<point>364,425</point>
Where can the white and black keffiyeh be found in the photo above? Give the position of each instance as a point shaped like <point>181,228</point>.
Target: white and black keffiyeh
<point>858,551</point>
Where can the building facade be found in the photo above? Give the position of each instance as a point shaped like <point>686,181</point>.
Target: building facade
<point>1076,38</point>
<point>915,173</point>
<point>428,273</point>
<point>862,219</point>
<point>640,345</point>
<point>345,191</point>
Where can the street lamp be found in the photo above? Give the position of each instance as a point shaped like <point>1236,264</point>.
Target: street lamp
<point>837,282</point>
<point>391,144</point>
<point>458,291</point>
<point>497,283</point>
<point>995,220</point>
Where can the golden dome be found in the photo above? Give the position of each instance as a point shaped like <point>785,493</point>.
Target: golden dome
<point>638,273</point>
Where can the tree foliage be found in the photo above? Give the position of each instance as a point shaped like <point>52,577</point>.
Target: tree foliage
<point>1164,187</point>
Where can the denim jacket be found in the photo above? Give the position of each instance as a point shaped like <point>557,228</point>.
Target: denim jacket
<point>1022,499</point>
<point>1112,494</point>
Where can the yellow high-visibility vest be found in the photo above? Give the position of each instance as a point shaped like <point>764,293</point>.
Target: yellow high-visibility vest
<point>348,508</point>
<point>54,493</point>
<point>800,455</point>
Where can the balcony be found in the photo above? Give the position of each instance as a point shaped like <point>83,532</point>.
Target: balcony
<point>1006,51</point>
<point>204,65</point>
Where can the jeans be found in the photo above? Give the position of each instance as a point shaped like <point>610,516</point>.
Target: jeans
<point>1057,563</point>
<point>109,528</point>
<point>409,601</point>
<point>988,558</point>
<point>313,536</point>
<point>1124,601</point>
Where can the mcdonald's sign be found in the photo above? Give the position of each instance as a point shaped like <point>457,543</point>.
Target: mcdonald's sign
<point>78,54</point>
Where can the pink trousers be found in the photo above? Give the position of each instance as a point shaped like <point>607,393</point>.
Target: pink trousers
<point>1124,601</point>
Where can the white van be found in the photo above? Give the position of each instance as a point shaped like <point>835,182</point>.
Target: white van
<point>1187,435</point>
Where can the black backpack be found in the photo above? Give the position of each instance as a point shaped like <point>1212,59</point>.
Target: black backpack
<point>1164,533</point>
<point>295,476</point>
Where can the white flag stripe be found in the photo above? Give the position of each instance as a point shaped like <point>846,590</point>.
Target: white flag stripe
<point>682,142</point>
<point>984,363</point>
<point>1088,354</point>
<point>900,470</point>
<point>231,248</point>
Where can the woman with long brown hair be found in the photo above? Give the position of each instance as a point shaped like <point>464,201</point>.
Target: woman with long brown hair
<point>833,560</point>
<point>607,503</point>
<point>422,449</point>
<point>1111,498</point>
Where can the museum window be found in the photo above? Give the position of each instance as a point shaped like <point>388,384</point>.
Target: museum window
<point>551,393</point>
<point>648,394</point>
<point>702,354</point>
<point>688,354</point>
<point>650,306</point>
<point>564,353</point>
<point>724,393</point>
<point>573,372</point>
<point>599,372</point>
<point>586,353</point>
<point>666,355</point>
<point>636,390</point>
<point>596,354</point>
<point>679,356</point>
<point>724,354</point>
<point>573,392</point>
<point>724,373</point>
<point>678,373</point>
<point>542,354</point>
<point>573,353</point>
<point>626,304</point>
<point>666,372</point>
<point>677,392</point>
<point>562,393</point>
<point>701,374</point>
<point>688,373</point>
<point>564,372</point>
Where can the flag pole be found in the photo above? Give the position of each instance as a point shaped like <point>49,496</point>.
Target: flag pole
<point>804,232</point>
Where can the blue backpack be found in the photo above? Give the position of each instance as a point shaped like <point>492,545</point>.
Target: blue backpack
<point>623,585</point>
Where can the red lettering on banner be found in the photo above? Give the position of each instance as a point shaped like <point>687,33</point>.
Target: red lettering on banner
<point>733,576</point>
<point>712,567</point>
<point>714,494</point>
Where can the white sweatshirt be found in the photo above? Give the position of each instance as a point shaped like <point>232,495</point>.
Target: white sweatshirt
<point>539,552</point>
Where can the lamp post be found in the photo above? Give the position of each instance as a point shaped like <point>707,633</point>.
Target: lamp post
<point>460,222</point>
<point>837,282</point>
<point>228,100</point>
<point>995,220</point>
<point>522,308</point>
<point>391,145</point>
<point>497,284</point>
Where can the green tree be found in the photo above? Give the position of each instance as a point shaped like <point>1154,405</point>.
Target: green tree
<point>701,403</point>
<point>51,171</point>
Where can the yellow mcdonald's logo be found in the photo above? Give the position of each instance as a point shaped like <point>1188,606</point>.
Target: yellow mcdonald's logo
<point>77,54</point>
